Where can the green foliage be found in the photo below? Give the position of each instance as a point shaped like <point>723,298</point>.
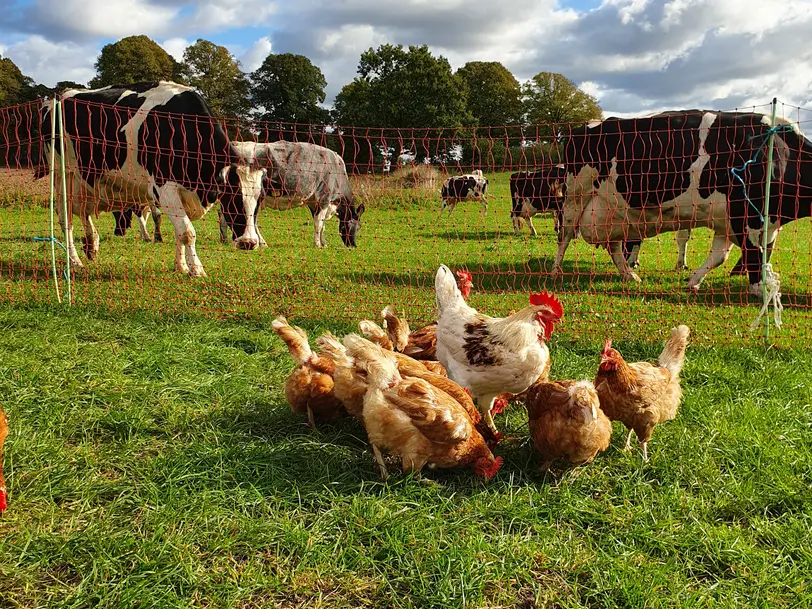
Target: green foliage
<point>493,94</point>
<point>400,87</point>
<point>217,74</point>
<point>289,89</point>
<point>134,59</point>
<point>551,98</point>
<point>15,87</point>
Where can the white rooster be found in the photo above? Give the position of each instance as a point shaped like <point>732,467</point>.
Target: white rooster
<point>493,355</point>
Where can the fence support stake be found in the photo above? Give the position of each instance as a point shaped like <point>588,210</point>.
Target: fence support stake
<point>766,221</point>
<point>51,207</point>
<point>64,195</point>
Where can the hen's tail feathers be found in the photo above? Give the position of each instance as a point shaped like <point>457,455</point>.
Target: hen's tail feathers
<point>328,343</point>
<point>294,337</point>
<point>445,289</point>
<point>381,366</point>
<point>673,354</point>
<point>374,333</point>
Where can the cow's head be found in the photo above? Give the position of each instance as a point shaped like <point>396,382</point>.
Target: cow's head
<point>349,221</point>
<point>242,188</point>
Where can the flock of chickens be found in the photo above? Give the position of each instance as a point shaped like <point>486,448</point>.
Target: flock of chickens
<point>415,392</point>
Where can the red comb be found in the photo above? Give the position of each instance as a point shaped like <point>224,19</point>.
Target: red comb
<point>499,406</point>
<point>548,300</point>
<point>464,275</point>
<point>607,345</point>
<point>466,390</point>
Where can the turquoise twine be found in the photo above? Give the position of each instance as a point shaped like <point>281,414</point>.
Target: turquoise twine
<point>736,170</point>
<point>59,243</point>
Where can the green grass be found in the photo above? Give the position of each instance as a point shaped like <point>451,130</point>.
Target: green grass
<point>153,462</point>
<point>402,242</point>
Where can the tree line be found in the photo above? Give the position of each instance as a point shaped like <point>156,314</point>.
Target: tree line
<point>402,97</point>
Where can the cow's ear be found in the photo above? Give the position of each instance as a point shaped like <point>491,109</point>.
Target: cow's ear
<point>222,175</point>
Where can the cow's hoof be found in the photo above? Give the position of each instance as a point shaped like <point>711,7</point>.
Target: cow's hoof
<point>632,277</point>
<point>159,239</point>
<point>754,289</point>
<point>681,267</point>
<point>634,265</point>
<point>693,289</point>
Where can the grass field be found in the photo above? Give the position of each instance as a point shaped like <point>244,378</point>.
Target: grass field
<point>402,242</point>
<point>153,461</point>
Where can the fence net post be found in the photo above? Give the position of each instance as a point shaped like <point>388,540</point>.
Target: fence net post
<point>67,219</point>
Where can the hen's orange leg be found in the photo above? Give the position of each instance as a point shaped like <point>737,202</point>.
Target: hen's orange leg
<point>310,419</point>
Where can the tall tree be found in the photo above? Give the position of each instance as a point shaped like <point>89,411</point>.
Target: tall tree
<point>214,71</point>
<point>289,89</point>
<point>551,98</point>
<point>15,87</point>
<point>493,93</point>
<point>134,59</point>
<point>400,87</point>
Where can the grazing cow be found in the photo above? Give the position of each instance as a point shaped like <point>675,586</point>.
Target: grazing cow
<point>536,192</point>
<point>124,221</point>
<point>467,187</point>
<point>539,191</point>
<point>152,141</point>
<point>306,174</point>
<point>631,179</point>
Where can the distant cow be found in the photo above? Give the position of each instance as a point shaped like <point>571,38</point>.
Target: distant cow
<point>635,178</point>
<point>536,192</point>
<point>468,187</point>
<point>124,221</point>
<point>152,141</point>
<point>306,174</point>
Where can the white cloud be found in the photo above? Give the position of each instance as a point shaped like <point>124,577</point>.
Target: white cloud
<point>48,63</point>
<point>175,47</point>
<point>634,55</point>
<point>253,57</point>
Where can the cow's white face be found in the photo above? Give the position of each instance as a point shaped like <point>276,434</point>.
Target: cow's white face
<point>243,189</point>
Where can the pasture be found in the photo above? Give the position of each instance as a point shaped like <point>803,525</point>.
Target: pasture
<point>152,459</point>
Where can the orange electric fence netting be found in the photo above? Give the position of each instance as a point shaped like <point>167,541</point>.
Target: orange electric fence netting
<point>408,218</point>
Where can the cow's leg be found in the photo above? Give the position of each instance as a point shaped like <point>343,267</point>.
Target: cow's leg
<point>564,237</point>
<point>91,238</point>
<point>616,252</point>
<point>517,222</point>
<point>759,256</point>
<point>319,220</point>
<point>632,254</point>
<point>484,206</point>
<point>185,236</point>
<point>683,237</point>
<point>67,229</point>
<point>143,218</point>
<point>530,224</point>
<point>157,216</point>
<point>225,229</point>
<point>720,250</point>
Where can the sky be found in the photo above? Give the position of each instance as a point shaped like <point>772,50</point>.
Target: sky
<point>635,56</point>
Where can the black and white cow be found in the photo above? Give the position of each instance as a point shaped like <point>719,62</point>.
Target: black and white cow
<point>124,221</point>
<point>468,187</point>
<point>631,179</point>
<point>536,192</point>
<point>306,174</point>
<point>539,191</point>
<point>152,142</point>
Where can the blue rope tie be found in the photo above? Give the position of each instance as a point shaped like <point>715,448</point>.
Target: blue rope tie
<point>59,243</point>
<point>784,127</point>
